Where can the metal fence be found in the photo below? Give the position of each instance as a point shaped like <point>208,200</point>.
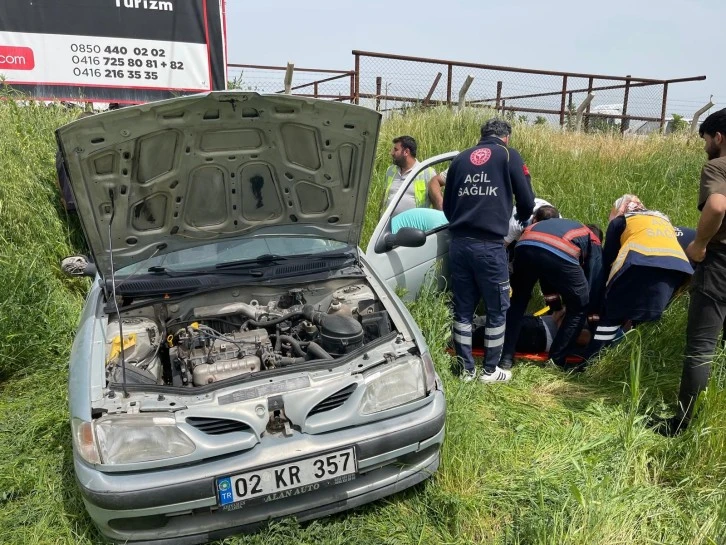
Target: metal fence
<point>312,82</point>
<point>394,82</point>
<point>389,82</point>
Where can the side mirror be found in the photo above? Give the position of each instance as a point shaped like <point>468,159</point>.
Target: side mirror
<point>406,236</point>
<point>78,265</point>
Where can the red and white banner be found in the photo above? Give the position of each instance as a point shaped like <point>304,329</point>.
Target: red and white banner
<point>112,50</point>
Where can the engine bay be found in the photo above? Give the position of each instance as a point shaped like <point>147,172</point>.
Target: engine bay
<point>205,339</point>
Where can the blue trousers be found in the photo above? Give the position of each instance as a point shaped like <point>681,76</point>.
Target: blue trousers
<point>479,270</point>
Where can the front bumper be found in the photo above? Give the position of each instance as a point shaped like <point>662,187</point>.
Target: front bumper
<point>179,505</point>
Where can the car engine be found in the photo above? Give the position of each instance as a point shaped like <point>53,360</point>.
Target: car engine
<point>210,343</point>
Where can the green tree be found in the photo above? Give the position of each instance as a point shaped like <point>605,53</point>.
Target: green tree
<point>678,124</point>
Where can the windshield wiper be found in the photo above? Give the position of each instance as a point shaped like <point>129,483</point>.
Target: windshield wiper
<point>157,270</point>
<point>259,260</point>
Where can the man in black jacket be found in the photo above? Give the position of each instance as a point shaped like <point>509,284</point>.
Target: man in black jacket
<point>566,257</point>
<point>482,184</point>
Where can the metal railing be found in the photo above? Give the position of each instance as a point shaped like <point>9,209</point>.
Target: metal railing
<point>389,82</point>
<point>265,79</point>
<point>392,82</point>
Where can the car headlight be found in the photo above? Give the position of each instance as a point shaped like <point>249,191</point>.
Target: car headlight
<point>126,439</point>
<point>393,386</point>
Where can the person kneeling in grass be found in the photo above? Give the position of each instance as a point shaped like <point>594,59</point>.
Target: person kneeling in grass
<point>565,257</point>
<point>644,265</point>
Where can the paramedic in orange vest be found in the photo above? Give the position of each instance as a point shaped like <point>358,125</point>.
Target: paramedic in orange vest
<point>644,265</point>
<point>403,154</point>
<point>565,257</point>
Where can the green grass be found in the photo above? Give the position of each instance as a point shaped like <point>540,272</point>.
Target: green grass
<point>546,459</point>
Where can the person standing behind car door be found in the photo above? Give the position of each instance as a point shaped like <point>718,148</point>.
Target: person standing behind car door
<point>482,183</point>
<point>404,159</point>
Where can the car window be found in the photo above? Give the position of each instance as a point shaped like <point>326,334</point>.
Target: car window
<point>209,255</point>
<point>437,229</point>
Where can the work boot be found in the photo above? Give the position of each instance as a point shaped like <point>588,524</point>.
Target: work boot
<point>498,375</point>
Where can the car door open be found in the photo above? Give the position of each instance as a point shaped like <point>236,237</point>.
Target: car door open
<point>404,259</point>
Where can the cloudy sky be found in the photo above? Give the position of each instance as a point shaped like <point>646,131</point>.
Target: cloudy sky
<point>647,38</point>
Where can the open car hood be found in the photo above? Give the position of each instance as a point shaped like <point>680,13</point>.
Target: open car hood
<point>170,175</point>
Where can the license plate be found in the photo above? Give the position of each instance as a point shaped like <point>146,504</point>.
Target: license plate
<point>286,480</point>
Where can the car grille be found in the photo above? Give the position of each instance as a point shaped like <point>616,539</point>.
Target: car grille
<point>217,426</point>
<point>334,401</point>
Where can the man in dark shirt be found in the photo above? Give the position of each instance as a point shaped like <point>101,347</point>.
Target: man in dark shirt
<point>565,256</point>
<point>707,308</point>
<point>483,183</point>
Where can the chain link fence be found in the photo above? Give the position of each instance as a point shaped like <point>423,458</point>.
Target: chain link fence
<point>389,83</point>
<point>394,82</point>
<point>312,82</point>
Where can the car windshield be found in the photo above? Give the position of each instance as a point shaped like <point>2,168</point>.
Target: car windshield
<point>210,255</point>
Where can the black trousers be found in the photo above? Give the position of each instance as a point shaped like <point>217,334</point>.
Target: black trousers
<point>706,315</point>
<point>555,275</point>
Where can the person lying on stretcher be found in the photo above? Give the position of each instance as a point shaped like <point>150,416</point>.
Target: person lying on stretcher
<point>536,335</point>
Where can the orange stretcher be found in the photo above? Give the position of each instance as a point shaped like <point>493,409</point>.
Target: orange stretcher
<point>542,356</point>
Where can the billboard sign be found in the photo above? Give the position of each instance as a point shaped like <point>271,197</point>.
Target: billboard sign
<point>125,51</point>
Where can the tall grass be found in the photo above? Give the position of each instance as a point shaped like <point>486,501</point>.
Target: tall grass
<point>547,459</point>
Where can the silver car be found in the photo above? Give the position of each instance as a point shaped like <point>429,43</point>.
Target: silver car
<point>239,358</point>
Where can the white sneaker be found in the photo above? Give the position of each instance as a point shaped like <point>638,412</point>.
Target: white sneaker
<point>467,376</point>
<point>499,375</point>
